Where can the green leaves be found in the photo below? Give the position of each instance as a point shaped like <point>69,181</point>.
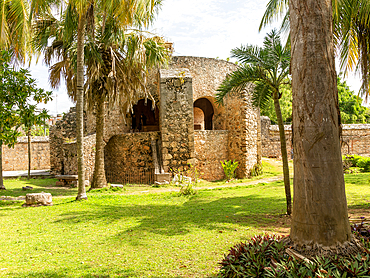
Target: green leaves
<point>229,168</point>
<point>267,67</point>
<point>18,99</point>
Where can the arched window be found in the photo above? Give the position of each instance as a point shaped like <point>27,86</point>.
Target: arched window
<point>207,108</point>
<point>144,117</point>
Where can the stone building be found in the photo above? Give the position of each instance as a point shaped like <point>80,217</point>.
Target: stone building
<point>184,126</point>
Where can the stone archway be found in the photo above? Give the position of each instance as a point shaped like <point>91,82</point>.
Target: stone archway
<point>145,118</point>
<point>206,106</point>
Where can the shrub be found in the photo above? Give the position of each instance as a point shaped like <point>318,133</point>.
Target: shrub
<point>364,164</point>
<point>356,161</point>
<point>265,256</point>
<point>229,168</point>
<point>187,190</point>
<point>257,170</point>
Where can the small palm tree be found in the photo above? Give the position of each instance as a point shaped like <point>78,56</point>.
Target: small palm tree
<point>268,69</point>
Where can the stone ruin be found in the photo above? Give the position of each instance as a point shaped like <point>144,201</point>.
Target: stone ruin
<point>185,127</point>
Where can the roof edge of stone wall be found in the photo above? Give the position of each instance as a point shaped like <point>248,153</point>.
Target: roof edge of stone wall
<point>203,58</point>
<point>34,139</point>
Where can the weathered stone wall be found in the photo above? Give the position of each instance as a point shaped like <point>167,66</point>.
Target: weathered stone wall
<point>207,74</point>
<point>70,157</point>
<point>114,123</point>
<point>16,158</point>
<point>176,119</point>
<point>210,148</point>
<point>271,139</point>
<point>242,127</point>
<point>355,139</point>
<point>135,155</point>
<point>63,131</point>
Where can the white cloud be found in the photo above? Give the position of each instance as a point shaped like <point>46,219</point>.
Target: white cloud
<point>206,28</point>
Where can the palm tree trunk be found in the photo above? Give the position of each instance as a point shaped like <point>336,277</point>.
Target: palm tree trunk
<point>99,179</point>
<point>259,139</point>
<point>29,153</point>
<point>2,187</point>
<point>79,108</point>
<point>320,214</point>
<point>284,155</point>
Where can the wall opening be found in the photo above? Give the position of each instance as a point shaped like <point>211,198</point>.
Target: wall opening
<point>144,118</point>
<point>198,119</point>
<point>207,108</point>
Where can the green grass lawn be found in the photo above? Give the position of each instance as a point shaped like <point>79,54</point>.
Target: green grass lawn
<point>114,234</point>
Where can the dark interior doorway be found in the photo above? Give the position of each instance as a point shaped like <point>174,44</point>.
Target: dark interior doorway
<point>206,106</point>
<point>144,117</point>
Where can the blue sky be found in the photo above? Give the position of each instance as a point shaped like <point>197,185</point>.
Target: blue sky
<point>205,28</point>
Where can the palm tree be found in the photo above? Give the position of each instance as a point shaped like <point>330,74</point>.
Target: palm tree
<point>351,33</point>
<point>268,69</point>
<point>320,215</point>
<point>118,77</point>
<point>116,60</point>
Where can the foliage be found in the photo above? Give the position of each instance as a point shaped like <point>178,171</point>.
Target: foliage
<point>351,109</point>
<point>265,256</point>
<point>229,168</point>
<point>18,93</point>
<point>356,161</point>
<point>285,104</point>
<point>187,190</point>
<point>350,105</point>
<point>250,259</point>
<point>257,170</point>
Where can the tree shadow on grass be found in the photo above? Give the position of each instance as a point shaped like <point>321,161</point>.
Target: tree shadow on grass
<point>171,220</point>
<point>14,187</point>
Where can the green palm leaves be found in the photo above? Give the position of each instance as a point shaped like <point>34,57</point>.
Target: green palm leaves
<point>266,67</point>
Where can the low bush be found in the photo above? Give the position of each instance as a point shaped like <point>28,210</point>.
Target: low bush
<point>356,161</point>
<point>229,168</point>
<point>265,256</point>
<point>364,164</point>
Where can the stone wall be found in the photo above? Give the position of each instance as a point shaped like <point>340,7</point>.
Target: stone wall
<point>176,119</point>
<point>63,131</point>
<point>70,157</point>
<point>136,156</point>
<point>16,158</point>
<point>207,74</point>
<point>355,139</point>
<point>242,127</point>
<point>210,149</point>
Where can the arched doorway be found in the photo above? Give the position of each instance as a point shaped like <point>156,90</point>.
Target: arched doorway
<point>144,117</point>
<point>207,108</point>
<point>198,119</point>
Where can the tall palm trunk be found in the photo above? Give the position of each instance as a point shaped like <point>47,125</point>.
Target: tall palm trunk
<point>320,208</point>
<point>284,154</point>
<point>79,107</point>
<point>99,179</point>
<point>29,153</point>
<point>2,187</point>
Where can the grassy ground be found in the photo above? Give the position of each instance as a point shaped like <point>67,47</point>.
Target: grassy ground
<point>115,234</point>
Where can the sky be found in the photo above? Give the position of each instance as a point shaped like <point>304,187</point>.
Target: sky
<point>203,28</point>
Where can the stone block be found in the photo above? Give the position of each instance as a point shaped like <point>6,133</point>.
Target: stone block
<point>38,199</point>
<point>163,178</point>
